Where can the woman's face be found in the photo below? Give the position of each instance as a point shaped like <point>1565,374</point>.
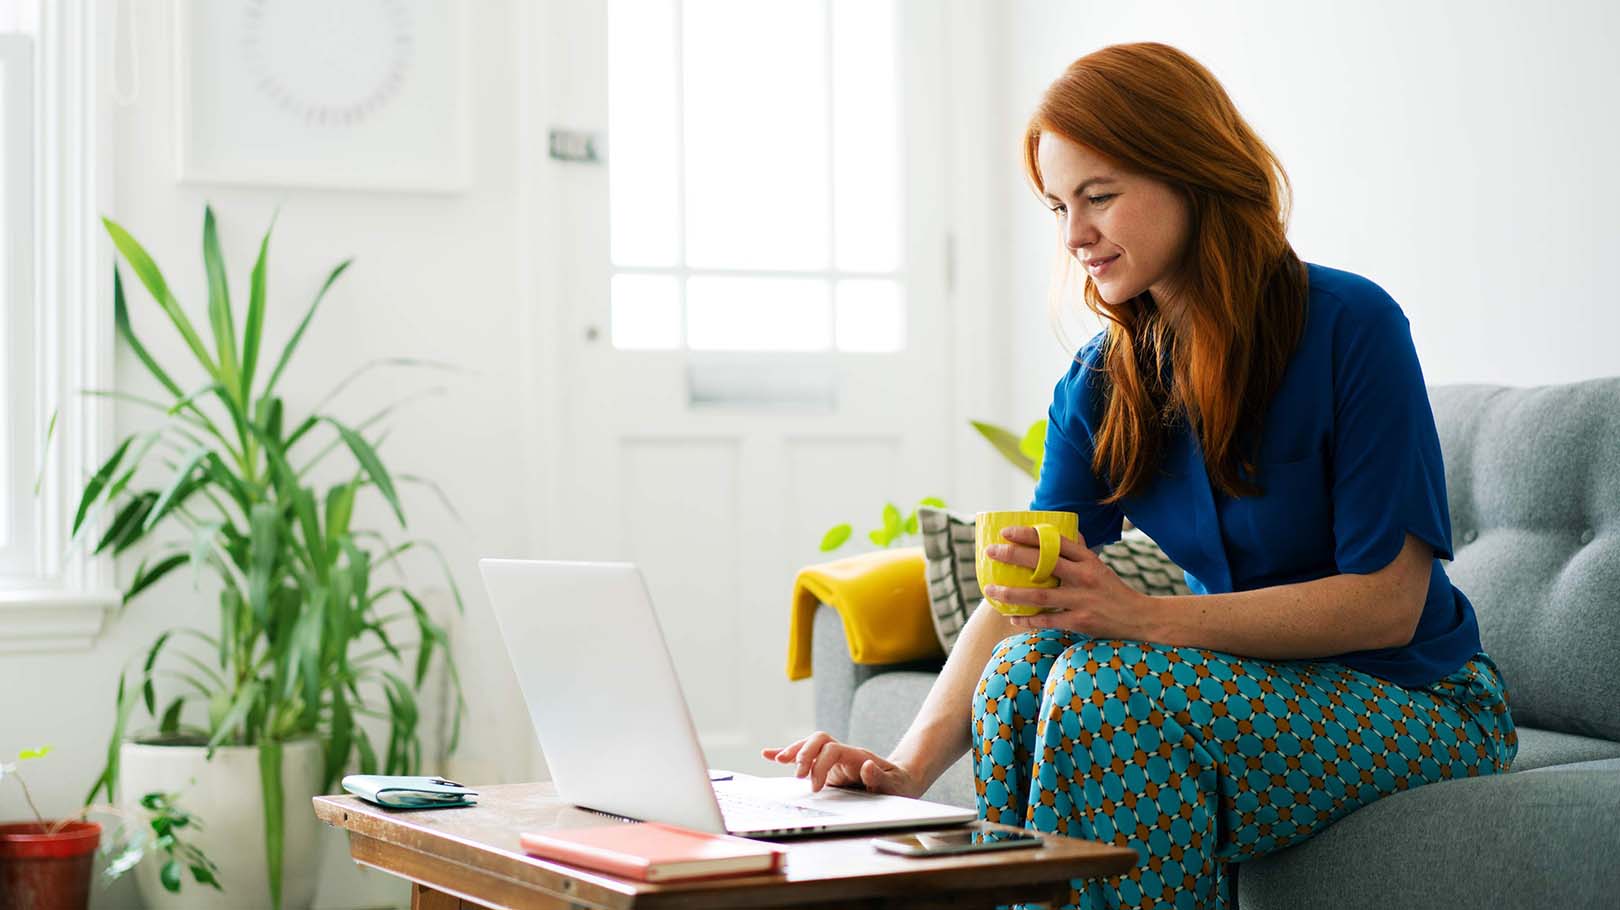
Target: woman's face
<point>1128,230</point>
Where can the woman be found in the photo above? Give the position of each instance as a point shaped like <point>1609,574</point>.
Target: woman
<point>1266,422</point>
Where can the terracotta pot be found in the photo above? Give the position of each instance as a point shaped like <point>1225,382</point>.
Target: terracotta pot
<point>46,871</point>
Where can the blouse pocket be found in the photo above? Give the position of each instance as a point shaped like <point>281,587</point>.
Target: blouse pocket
<point>1290,525</point>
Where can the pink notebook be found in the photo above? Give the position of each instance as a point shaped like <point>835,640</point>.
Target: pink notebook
<point>653,851</point>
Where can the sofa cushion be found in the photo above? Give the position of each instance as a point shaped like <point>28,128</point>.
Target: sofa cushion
<point>1541,839</point>
<point>1547,748</point>
<point>884,708</point>
<point>1533,480</point>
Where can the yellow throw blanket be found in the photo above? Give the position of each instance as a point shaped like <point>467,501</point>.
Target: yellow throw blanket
<point>881,596</point>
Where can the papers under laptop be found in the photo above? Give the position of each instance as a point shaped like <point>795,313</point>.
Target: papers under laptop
<point>607,707</point>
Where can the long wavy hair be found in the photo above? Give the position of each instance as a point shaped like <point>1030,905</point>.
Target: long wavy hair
<point>1241,292</point>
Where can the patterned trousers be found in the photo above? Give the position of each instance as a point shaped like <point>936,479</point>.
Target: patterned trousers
<point>1199,758</point>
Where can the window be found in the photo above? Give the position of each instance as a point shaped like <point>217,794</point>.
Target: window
<point>17,381</point>
<point>55,322</point>
<point>755,177</point>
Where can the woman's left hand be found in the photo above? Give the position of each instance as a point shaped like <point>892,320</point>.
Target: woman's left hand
<point>1090,598</point>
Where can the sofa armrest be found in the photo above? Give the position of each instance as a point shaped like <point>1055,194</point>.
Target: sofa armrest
<point>836,677</point>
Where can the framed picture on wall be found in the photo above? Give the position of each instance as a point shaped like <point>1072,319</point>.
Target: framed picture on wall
<point>362,94</point>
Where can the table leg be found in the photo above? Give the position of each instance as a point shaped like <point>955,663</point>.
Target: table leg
<point>425,898</point>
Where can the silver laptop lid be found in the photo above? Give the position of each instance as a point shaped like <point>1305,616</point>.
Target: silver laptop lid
<point>619,742</point>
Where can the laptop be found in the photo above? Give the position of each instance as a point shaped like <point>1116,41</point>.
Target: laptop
<point>608,710</point>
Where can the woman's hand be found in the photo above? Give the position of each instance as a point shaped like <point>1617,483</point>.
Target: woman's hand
<point>1089,599</point>
<point>832,763</point>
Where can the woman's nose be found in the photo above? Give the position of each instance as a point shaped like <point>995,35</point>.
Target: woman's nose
<point>1078,233</point>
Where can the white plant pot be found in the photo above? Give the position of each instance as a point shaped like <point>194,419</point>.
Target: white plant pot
<point>225,795</point>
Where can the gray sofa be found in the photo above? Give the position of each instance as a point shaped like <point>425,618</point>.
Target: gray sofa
<point>1533,476</point>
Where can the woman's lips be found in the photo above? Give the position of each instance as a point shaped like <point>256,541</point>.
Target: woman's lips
<point>1101,265</point>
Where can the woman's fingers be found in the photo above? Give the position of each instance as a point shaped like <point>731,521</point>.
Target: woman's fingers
<point>1031,542</point>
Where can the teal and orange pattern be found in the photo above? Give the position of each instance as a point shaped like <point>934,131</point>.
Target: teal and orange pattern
<point>1199,758</point>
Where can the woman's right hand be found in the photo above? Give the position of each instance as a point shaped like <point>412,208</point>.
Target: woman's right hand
<point>832,763</point>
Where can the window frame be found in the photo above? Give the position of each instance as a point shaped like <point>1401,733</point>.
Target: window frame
<point>682,271</point>
<point>54,596</point>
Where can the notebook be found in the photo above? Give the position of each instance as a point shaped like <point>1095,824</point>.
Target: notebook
<point>653,851</point>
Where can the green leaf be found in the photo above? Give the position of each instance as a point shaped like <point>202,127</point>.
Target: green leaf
<point>367,456</point>
<point>147,271</point>
<point>835,537</point>
<point>878,537</point>
<point>264,543</point>
<point>45,451</point>
<point>126,527</point>
<point>1009,445</point>
<point>274,808</point>
<point>146,671</point>
<point>109,773</point>
<point>171,717</point>
<point>177,490</point>
<point>27,754</point>
<point>933,502</point>
<point>121,320</point>
<point>254,327</point>
<point>99,481</point>
<point>219,306</point>
<point>245,697</point>
<point>340,742</point>
<point>153,802</point>
<point>911,522</point>
<point>170,876</point>
<point>292,343</point>
<point>891,521</point>
<point>145,579</point>
<point>339,509</point>
<point>205,876</point>
<point>1033,446</point>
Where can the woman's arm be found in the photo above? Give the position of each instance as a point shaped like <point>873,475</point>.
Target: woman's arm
<point>1318,618</point>
<point>1334,615</point>
<point>942,730</point>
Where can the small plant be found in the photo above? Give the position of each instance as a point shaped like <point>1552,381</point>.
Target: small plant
<point>161,831</point>
<point>1022,452</point>
<point>894,527</point>
<point>11,772</point>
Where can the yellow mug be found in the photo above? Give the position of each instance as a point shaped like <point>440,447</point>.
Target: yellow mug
<point>1052,527</point>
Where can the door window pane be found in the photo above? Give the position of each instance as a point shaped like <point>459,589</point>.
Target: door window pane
<point>871,316</point>
<point>756,134</point>
<point>642,105</point>
<point>866,136</point>
<point>757,314</point>
<point>646,313</point>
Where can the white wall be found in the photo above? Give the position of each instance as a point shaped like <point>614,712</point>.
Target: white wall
<point>1460,155</point>
<point>435,276</point>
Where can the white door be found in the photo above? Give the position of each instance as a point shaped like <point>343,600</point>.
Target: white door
<point>752,313</point>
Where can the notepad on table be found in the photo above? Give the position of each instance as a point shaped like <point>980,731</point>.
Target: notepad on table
<point>653,851</point>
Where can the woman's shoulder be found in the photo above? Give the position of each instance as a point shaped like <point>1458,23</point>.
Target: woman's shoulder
<point>1340,290</point>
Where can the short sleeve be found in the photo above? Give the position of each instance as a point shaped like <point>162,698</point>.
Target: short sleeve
<point>1388,477</point>
<point>1067,482</point>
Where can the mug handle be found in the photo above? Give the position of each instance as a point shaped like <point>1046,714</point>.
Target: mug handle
<point>1051,545</point>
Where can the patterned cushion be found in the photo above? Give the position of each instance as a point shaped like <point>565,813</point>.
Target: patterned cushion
<point>953,583</point>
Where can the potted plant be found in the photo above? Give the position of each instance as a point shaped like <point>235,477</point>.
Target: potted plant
<point>45,863</point>
<point>48,863</point>
<point>264,711</point>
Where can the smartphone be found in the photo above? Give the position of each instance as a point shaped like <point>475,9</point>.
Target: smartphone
<point>968,840</point>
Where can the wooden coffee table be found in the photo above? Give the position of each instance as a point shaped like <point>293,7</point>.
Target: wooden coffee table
<point>470,857</point>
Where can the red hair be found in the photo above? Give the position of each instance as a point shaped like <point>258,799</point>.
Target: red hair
<point>1241,290</point>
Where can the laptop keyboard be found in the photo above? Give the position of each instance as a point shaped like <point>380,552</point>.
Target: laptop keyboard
<point>735,805</point>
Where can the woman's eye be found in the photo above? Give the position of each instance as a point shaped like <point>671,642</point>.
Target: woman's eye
<point>1096,200</point>
<point>1058,209</point>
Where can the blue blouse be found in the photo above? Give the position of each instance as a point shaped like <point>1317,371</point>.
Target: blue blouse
<point>1349,459</point>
